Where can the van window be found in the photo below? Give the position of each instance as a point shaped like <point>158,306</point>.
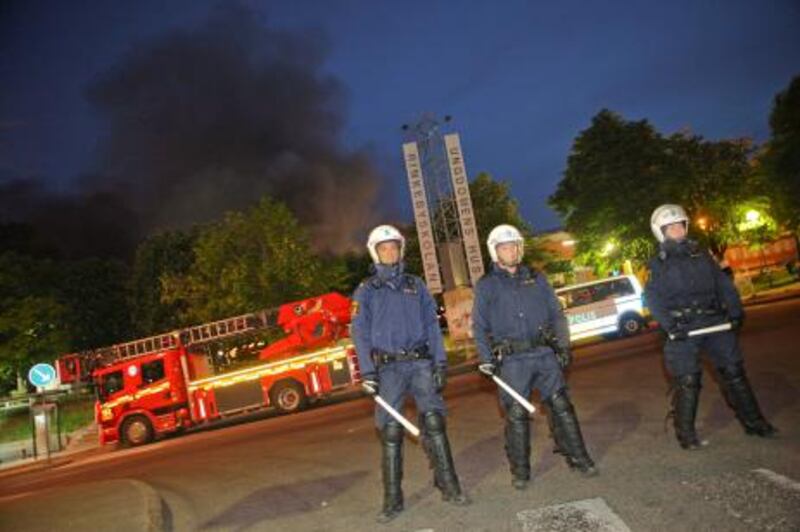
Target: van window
<point>622,287</point>
<point>586,295</point>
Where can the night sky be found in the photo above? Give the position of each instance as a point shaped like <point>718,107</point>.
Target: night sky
<point>82,82</point>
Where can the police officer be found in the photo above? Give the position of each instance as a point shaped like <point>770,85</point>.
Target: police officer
<point>687,290</point>
<point>523,337</point>
<point>400,352</point>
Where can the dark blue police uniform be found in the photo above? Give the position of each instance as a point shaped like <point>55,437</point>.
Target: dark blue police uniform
<point>395,315</point>
<point>686,291</point>
<point>515,309</point>
<point>510,313</point>
<point>399,344</point>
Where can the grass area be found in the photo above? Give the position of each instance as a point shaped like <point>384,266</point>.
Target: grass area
<point>75,412</point>
<point>773,279</point>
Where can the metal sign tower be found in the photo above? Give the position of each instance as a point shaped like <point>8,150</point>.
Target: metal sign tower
<point>443,214</point>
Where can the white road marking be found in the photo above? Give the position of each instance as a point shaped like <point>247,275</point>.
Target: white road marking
<point>782,481</point>
<point>588,514</point>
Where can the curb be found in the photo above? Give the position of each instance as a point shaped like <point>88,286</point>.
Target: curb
<point>155,507</point>
<point>770,299</point>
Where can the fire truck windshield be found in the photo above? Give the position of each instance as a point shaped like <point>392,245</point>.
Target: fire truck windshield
<point>109,383</point>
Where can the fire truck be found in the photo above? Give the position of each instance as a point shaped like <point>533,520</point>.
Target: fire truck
<point>185,378</point>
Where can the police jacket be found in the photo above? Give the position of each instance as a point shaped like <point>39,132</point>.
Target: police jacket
<point>688,288</point>
<point>394,312</point>
<point>514,308</point>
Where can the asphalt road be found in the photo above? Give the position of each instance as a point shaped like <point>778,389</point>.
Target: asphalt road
<point>318,470</point>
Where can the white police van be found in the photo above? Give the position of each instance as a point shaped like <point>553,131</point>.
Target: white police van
<point>611,306</point>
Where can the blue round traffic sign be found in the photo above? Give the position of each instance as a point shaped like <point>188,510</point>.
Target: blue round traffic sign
<point>42,374</point>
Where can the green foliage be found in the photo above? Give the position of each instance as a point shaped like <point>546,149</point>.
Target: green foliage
<point>619,171</point>
<point>615,177</point>
<point>75,412</point>
<point>492,205</point>
<point>31,331</point>
<point>94,291</point>
<point>781,159</point>
<point>354,267</point>
<point>31,318</point>
<point>162,255</point>
<point>251,260</point>
<point>413,256</point>
<point>49,307</point>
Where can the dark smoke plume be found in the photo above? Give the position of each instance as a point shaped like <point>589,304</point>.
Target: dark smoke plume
<point>202,121</point>
<point>36,220</point>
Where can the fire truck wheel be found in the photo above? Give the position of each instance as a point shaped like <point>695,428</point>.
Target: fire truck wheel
<point>136,430</point>
<point>288,396</point>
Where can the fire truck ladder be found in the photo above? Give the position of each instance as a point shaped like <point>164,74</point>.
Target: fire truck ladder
<point>217,330</point>
<point>198,334</point>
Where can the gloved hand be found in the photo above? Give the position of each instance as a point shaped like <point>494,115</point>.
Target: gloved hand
<point>370,384</point>
<point>677,334</point>
<point>564,357</point>
<point>488,369</point>
<point>439,379</point>
<point>736,322</point>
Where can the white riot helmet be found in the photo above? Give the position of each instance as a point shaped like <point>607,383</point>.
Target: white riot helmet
<point>384,233</point>
<point>503,234</point>
<point>666,215</point>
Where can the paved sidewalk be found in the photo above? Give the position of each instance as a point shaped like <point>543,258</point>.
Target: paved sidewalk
<point>97,505</point>
<point>79,441</point>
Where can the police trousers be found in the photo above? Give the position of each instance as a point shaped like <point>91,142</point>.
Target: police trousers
<point>526,372</point>
<point>683,357</point>
<point>401,379</point>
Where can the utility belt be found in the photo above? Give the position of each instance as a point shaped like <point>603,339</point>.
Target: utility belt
<point>380,356</point>
<point>505,348</point>
<point>689,312</point>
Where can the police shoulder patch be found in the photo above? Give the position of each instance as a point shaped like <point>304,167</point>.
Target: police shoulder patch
<point>354,306</point>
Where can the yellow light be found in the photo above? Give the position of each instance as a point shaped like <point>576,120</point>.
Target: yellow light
<point>702,223</point>
<point>271,368</point>
<point>609,247</point>
<point>567,243</point>
<point>752,215</point>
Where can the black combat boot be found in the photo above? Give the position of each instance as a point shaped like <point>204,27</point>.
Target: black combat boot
<point>567,434</point>
<point>685,396</point>
<point>518,445</point>
<point>740,397</point>
<point>437,447</point>
<point>392,466</point>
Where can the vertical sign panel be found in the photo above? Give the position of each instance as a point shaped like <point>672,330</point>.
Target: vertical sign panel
<point>469,231</point>
<point>422,217</point>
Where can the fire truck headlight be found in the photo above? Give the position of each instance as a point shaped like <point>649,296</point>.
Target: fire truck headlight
<point>105,414</point>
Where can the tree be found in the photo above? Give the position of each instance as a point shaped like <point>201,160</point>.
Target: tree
<point>31,318</point>
<point>717,184</point>
<point>781,159</point>
<point>94,293</point>
<point>615,177</point>
<point>619,171</point>
<point>170,253</point>
<point>492,204</point>
<point>251,260</point>
<point>30,332</point>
